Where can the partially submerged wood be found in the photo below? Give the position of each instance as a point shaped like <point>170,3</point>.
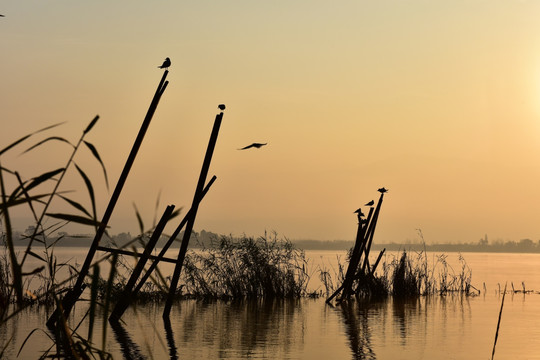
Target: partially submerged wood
<point>361,250</point>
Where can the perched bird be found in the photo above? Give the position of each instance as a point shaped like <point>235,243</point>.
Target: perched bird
<point>359,212</point>
<point>165,64</point>
<point>254,145</point>
<point>370,203</point>
<point>382,190</point>
<point>221,106</point>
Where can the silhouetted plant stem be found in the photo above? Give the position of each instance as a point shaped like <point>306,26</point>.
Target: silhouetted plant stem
<point>498,324</point>
<point>74,294</point>
<point>38,226</point>
<point>191,219</point>
<point>15,267</point>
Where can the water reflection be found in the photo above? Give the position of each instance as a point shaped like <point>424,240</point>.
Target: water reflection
<point>170,339</point>
<point>130,349</point>
<point>240,328</point>
<point>357,323</point>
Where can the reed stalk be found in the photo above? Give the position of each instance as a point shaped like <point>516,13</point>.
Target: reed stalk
<point>498,324</point>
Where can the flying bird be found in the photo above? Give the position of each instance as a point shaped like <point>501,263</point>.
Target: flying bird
<point>254,145</point>
<point>165,64</point>
<point>370,203</point>
<point>382,190</point>
<point>221,106</point>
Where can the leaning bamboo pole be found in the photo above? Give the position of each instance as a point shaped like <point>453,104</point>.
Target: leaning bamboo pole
<point>194,207</point>
<point>161,255</point>
<point>73,294</point>
<point>127,293</point>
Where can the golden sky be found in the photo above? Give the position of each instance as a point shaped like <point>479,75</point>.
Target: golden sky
<point>439,101</point>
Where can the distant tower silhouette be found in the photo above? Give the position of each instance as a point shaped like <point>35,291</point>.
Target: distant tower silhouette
<point>165,64</point>
<point>370,203</point>
<point>254,145</point>
<point>382,190</point>
<point>221,106</point>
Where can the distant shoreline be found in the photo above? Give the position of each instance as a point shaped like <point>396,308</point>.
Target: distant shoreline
<point>524,246</point>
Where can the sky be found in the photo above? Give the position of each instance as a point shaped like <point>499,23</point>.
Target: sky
<point>438,101</point>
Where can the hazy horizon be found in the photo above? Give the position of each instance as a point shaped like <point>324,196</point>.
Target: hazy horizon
<point>439,102</point>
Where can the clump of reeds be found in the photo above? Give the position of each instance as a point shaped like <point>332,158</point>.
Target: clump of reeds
<point>4,285</point>
<point>413,276</point>
<point>406,278</point>
<point>246,268</point>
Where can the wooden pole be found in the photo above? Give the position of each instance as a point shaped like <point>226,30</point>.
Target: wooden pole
<point>127,294</point>
<point>73,295</point>
<point>194,208</point>
<point>371,233</point>
<point>170,241</point>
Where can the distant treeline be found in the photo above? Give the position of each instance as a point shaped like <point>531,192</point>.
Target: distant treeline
<point>522,246</point>
<point>206,238</point>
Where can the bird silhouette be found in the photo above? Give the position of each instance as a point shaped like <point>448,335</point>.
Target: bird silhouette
<point>221,106</point>
<point>359,212</point>
<point>165,64</point>
<point>370,203</point>
<point>254,145</point>
<point>382,190</point>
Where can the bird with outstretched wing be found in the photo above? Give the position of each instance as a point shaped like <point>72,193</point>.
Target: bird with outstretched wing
<point>254,145</point>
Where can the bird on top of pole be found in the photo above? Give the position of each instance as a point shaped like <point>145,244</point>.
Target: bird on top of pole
<point>165,64</point>
<point>221,107</point>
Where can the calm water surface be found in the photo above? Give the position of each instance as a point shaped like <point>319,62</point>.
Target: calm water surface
<point>448,327</point>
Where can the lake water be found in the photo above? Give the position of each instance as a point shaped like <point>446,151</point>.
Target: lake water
<point>435,327</point>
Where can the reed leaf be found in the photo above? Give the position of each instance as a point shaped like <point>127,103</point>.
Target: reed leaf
<point>15,143</point>
<point>75,204</point>
<point>96,155</point>
<point>35,182</point>
<point>20,201</point>
<point>35,271</point>
<point>90,189</point>
<point>27,338</point>
<point>31,253</point>
<point>139,218</point>
<point>51,138</point>
<point>74,218</point>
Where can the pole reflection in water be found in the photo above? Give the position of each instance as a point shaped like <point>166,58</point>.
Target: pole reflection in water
<point>356,316</point>
<point>130,349</point>
<point>170,339</point>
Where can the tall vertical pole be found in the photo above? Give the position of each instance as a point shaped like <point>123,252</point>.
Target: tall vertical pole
<point>73,295</point>
<point>194,208</point>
